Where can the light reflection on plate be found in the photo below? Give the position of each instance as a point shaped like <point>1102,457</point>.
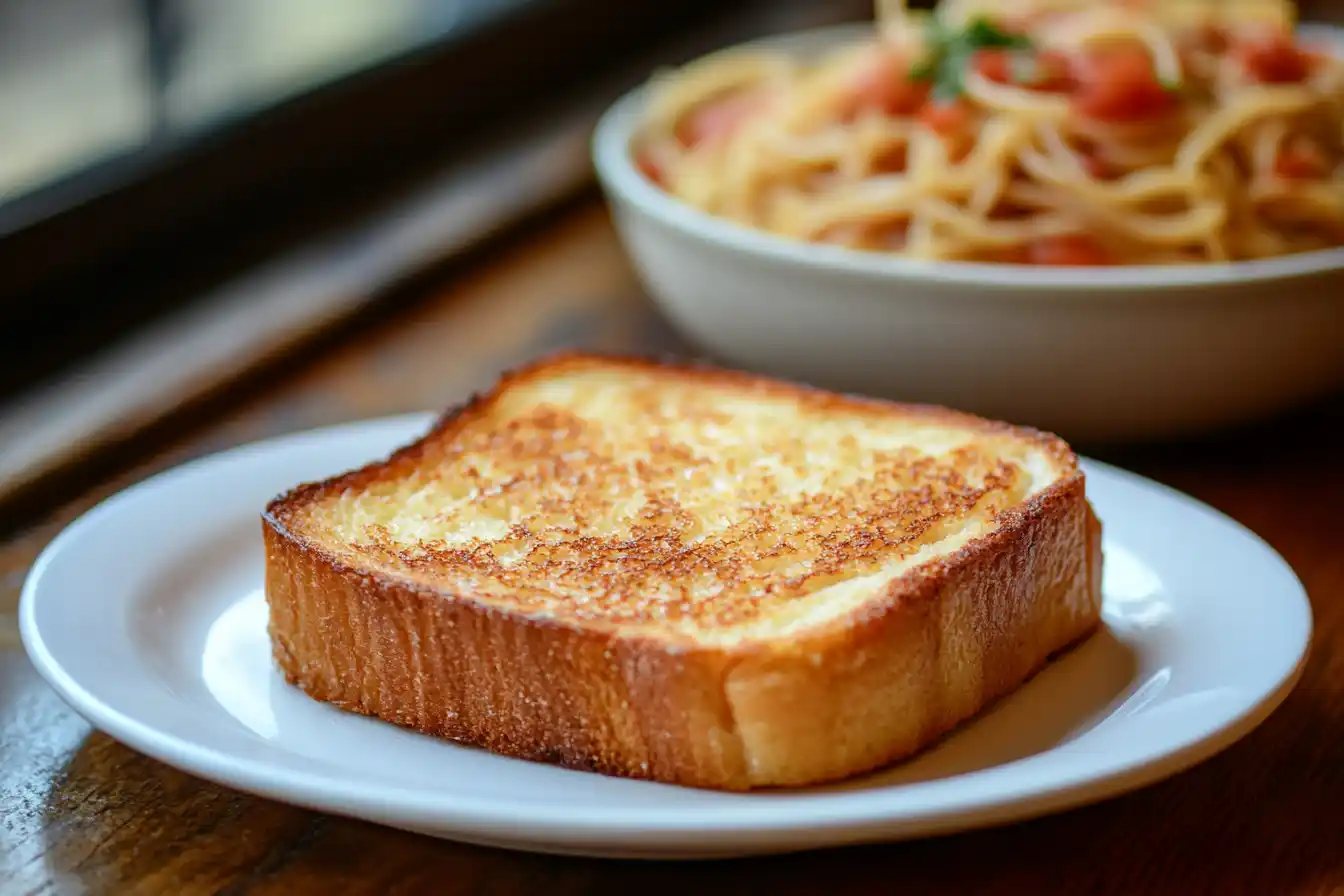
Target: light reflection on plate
<point>236,664</point>
<point>1133,590</point>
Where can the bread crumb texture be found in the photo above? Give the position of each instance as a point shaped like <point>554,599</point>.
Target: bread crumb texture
<point>624,495</point>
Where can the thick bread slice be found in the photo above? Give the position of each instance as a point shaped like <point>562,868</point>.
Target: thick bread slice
<point>686,574</point>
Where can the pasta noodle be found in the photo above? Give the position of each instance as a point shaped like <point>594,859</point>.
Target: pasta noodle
<point>1027,131</point>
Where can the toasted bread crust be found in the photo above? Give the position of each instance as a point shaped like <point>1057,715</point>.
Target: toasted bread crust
<point>841,698</point>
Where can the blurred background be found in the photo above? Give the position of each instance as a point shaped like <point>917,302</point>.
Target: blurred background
<point>189,188</point>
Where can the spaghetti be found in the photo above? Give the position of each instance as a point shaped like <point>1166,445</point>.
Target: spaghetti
<point>1028,131</point>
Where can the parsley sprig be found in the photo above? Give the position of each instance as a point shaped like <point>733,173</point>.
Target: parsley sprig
<point>950,51</point>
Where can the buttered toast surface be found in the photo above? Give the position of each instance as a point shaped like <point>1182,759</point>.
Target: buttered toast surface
<point>685,574</point>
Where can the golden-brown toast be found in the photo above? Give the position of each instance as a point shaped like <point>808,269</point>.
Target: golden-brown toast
<point>686,574</point>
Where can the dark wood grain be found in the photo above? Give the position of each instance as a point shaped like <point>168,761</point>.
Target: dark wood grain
<point>82,814</point>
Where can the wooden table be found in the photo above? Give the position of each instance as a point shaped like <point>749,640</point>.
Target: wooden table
<point>82,813</point>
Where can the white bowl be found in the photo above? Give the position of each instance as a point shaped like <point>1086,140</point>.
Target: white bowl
<point>1111,354</point>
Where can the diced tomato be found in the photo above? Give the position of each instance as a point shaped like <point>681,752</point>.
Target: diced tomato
<point>891,161</point>
<point>1073,250</point>
<point>649,167</point>
<point>1210,37</point>
<point>716,120</point>
<point>841,234</point>
<point>1011,255</point>
<point>893,236</point>
<point>946,118</point>
<point>996,65</point>
<point>1098,167</point>
<point>1055,71</point>
<point>1214,37</point>
<point>884,84</point>
<point>1049,70</point>
<point>959,147</point>
<point>1120,85</point>
<point>1272,57</point>
<point>1301,159</point>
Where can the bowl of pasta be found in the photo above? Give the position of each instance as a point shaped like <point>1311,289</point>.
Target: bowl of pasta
<point>1114,219</point>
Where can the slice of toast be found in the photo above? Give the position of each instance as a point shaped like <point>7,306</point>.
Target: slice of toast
<point>686,574</point>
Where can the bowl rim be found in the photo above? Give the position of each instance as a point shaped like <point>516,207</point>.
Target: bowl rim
<point>621,181</point>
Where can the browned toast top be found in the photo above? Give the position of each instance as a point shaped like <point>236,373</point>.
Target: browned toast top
<point>654,496</point>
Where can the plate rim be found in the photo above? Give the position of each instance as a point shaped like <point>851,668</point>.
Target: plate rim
<point>813,818</point>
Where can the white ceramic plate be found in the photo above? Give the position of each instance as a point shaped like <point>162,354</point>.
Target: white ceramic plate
<point>147,616</point>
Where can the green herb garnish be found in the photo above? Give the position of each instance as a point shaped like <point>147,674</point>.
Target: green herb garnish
<point>1171,85</point>
<point>950,52</point>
